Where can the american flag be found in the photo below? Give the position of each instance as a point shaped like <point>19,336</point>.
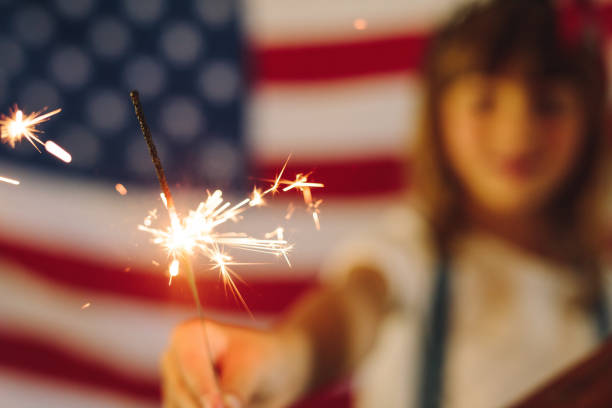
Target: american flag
<point>230,89</point>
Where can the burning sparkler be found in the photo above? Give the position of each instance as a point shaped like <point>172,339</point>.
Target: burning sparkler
<point>17,126</point>
<point>197,232</point>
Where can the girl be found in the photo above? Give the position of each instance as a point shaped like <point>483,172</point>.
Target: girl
<point>489,280</point>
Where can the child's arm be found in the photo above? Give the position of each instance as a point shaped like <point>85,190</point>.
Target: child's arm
<point>322,338</point>
<point>340,323</point>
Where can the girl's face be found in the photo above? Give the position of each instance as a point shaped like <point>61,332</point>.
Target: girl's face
<point>510,144</point>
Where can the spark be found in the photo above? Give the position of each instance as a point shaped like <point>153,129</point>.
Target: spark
<point>173,270</point>
<point>279,232</point>
<point>197,232</point>
<point>315,217</point>
<point>16,126</point>
<point>256,198</point>
<point>314,207</point>
<point>9,180</point>
<point>360,24</point>
<point>85,305</point>
<point>290,210</point>
<point>58,151</point>
<point>302,185</point>
<point>121,189</point>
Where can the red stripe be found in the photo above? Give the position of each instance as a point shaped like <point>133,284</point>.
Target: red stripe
<point>35,357</point>
<point>343,60</point>
<point>354,178</point>
<point>339,60</point>
<point>262,295</point>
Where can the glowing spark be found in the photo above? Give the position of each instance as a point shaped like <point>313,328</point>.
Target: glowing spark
<point>301,184</point>
<point>121,189</point>
<point>290,210</point>
<point>315,217</point>
<point>274,188</point>
<point>58,151</point>
<point>314,207</point>
<point>9,180</point>
<point>278,232</point>
<point>173,270</point>
<point>360,24</point>
<point>197,232</point>
<point>257,198</point>
<point>16,126</point>
<point>154,262</point>
<point>85,306</point>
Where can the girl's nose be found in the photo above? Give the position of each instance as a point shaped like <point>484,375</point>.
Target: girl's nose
<point>514,123</point>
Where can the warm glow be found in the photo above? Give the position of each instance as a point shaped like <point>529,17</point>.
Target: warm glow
<point>16,126</point>
<point>197,231</point>
<point>256,198</point>
<point>121,189</point>
<point>173,270</point>
<point>9,180</point>
<point>58,151</point>
<point>360,24</point>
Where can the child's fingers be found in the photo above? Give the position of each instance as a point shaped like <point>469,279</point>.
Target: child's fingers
<point>239,386</point>
<point>174,392</point>
<point>189,348</point>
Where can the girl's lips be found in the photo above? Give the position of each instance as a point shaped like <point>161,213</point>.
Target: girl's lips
<point>518,167</point>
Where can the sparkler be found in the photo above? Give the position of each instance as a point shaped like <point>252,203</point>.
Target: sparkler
<point>17,126</point>
<point>196,233</point>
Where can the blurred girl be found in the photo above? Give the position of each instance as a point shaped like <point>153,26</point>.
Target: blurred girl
<point>489,280</point>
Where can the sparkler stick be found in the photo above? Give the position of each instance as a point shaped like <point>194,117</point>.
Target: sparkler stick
<point>197,231</point>
<point>159,170</point>
<point>182,253</point>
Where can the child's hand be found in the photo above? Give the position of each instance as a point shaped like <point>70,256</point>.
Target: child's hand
<point>254,368</point>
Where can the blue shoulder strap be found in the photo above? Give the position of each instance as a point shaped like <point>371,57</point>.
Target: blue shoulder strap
<point>602,316</point>
<point>435,339</point>
<point>434,344</point>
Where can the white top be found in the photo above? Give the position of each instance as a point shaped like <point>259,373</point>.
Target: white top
<point>514,320</point>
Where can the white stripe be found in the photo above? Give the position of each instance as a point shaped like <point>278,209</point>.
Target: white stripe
<point>23,391</point>
<point>125,335</point>
<point>359,118</point>
<point>282,22</point>
<point>93,221</point>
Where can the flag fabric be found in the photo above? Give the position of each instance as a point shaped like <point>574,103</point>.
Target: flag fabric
<point>230,90</point>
